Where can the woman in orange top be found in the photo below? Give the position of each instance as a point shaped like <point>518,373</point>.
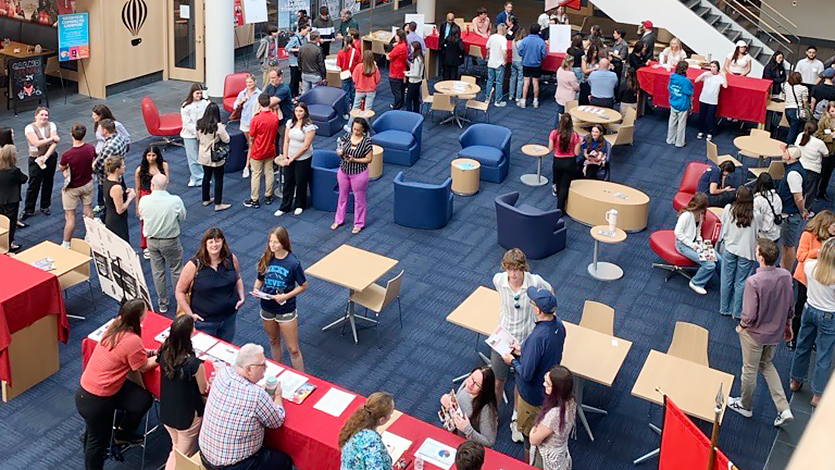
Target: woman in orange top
<point>366,77</point>
<point>105,388</point>
<point>817,231</point>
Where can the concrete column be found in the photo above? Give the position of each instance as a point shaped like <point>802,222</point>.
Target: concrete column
<point>427,9</point>
<point>220,45</point>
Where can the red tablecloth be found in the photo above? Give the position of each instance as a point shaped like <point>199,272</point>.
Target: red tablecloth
<point>551,63</point>
<point>310,436</point>
<point>745,98</point>
<point>27,294</point>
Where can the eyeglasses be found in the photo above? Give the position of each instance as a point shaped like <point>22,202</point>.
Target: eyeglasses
<point>263,364</point>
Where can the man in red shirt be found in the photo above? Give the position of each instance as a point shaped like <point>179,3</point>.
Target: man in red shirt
<point>262,132</point>
<point>77,166</point>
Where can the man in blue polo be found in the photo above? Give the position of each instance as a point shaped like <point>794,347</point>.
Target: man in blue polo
<point>534,358</point>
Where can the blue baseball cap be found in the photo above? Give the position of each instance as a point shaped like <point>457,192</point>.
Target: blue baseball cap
<point>543,298</point>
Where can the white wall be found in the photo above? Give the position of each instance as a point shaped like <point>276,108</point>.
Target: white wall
<point>679,20</point>
<point>813,17</point>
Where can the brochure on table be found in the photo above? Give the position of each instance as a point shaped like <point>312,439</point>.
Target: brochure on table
<point>221,352</point>
<point>395,445</point>
<point>436,453</point>
<point>334,402</point>
<point>290,382</point>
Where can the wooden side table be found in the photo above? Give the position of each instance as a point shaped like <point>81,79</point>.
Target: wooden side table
<point>538,152</point>
<point>375,168</point>
<point>465,176</point>
<point>601,270</point>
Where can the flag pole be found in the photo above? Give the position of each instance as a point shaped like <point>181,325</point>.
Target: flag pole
<point>714,435</point>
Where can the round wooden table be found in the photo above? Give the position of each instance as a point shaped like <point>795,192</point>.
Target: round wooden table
<point>375,168</point>
<point>760,145</point>
<point>601,270</point>
<point>455,89</point>
<point>365,114</point>
<point>465,176</point>
<point>588,201</point>
<point>536,151</point>
<point>595,114</point>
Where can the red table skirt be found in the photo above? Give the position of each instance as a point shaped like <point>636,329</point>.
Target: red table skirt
<point>551,63</point>
<point>745,98</point>
<point>27,294</point>
<point>310,436</point>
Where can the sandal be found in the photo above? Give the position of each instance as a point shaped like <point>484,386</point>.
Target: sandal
<point>335,226</point>
<point>356,230</point>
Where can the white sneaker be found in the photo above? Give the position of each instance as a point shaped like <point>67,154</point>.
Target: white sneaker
<point>697,289</point>
<point>709,137</point>
<point>515,435</point>
<point>735,403</point>
<point>65,245</point>
<point>784,417</point>
<point>535,103</point>
<point>245,174</point>
<point>700,135</point>
<point>146,253</point>
<point>278,213</point>
<point>192,183</point>
<point>500,104</point>
<point>298,211</point>
<point>521,104</point>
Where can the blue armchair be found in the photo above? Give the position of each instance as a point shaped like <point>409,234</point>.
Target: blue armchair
<point>538,233</point>
<point>422,205</point>
<point>399,134</point>
<point>327,106</point>
<point>489,145</point>
<point>324,188</point>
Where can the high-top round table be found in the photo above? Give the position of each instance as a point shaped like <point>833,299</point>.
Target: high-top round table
<point>588,114</point>
<point>536,151</point>
<point>367,114</point>
<point>375,168</point>
<point>760,145</point>
<point>588,201</point>
<point>455,89</point>
<point>602,270</point>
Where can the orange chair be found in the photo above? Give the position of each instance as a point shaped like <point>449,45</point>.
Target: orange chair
<point>167,126</point>
<point>663,243</point>
<point>232,86</point>
<point>689,183</point>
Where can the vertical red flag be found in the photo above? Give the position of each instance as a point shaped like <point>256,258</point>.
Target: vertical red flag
<point>683,445</point>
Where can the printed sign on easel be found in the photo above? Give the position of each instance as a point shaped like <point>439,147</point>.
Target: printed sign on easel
<point>118,265</point>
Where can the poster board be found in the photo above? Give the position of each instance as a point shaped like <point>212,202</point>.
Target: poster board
<point>27,80</point>
<point>287,11</point>
<point>559,38</point>
<point>255,11</point>
<point>118,266</point>
<point>73,37</point>
<point>420,19</point>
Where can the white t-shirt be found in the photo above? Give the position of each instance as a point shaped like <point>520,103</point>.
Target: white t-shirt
<point>712,84</point>
<point>296,137</point>
<point>767,227</point>
<point>797,91</point>
<point>740,65</point>
<point>668,57</point>
<point>809,69</point>
<point>811,154</point>
<point>818,295</point>
<point>43,133</point>
<point>795,182</point>
<point>497,51</point>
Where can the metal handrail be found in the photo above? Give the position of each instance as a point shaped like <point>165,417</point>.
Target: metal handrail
<point>781,15</point>
<point>756,20</point>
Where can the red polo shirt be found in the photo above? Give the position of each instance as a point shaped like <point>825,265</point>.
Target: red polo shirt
<point>397,57</point>
<point>262,131</point>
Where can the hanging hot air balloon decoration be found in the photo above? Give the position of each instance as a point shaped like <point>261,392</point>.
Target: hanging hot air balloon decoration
<point>134,14</point>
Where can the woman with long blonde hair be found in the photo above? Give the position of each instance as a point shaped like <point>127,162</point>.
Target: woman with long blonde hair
<point>361,444</point>
<point>817,231</point>
<point>280,279</point>
<point>818,322</point>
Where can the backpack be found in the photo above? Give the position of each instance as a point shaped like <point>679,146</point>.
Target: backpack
<point>820,108</point>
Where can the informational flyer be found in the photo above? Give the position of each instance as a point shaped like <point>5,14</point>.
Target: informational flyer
<point>334,402</point>
<point>559,38</point>
<point>501,341</point>
<point>395,445</point>
<point>436,453</point>
<point>290,382</point>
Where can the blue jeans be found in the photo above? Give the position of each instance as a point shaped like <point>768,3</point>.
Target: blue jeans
<point>194,168</point>
<point>735,270</point>
<point>223,329</point>
<point>795,125</point>
<point>495,77</point>
<point>348,88</point>
<point>816,326</point>
<point>560,110</point>
<point>516,80</point>
<point>578,72</point>
<point>706,268</point>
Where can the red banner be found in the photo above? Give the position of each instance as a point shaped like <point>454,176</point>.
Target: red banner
<point>239,13</point>
<point>575,4</point>
<point>684,446</point>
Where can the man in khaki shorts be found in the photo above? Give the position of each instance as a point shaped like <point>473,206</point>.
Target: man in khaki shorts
<point>77,166</point>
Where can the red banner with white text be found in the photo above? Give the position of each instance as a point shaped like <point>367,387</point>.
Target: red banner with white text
<point>684,446</point>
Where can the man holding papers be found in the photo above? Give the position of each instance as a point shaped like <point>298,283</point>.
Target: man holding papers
<point>531,361</point>
<point>236,414</point>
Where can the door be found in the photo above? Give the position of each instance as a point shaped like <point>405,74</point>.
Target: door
<point>186,50</point>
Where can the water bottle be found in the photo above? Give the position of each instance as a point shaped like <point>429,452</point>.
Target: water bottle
<point>418,462</point>
<point>271,384</point>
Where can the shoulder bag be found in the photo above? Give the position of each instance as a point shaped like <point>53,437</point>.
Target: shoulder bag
<point>220,150</point>
<point>778,218</point>
<point>803,111</point>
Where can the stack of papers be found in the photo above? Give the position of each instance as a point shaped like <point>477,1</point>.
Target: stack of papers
<point>395,445</point>
<point>160,338</point>
<point>459,86</point>
<point>290,382</point>
<point>47,264</point>
<point>201,342</point>
<point>334,402</point>
<point>99,333</point>
<point>221,352</point>
<point>436,453</point>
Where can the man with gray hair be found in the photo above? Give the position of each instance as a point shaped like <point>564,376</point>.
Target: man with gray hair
<point>162,213</point>
<point>237,412</point>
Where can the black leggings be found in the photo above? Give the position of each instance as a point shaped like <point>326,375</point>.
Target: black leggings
<point>98,415</point>
<point>413,97</point>
<point>40,181</point>
<point>296,181</point>
<point>826,173</point>
<point>295,80</point>
<point>799,304</point>
<point>208,173</point>
<point>563,170</point>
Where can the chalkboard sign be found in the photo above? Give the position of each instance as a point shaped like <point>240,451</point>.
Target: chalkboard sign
<point>27,80</point>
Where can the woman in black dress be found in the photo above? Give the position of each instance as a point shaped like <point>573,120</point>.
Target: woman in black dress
<point>182,388</point>
<point>117,198</point>
<point>11,179</point>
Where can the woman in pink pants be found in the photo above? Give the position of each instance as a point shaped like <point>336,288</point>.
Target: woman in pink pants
<point>355,154</point>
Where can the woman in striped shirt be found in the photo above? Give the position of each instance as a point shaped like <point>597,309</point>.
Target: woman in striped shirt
<point>355,153</point>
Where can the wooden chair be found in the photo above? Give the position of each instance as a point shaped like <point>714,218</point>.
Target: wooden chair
<point>5,227</point>
<point>762,133</point>
<point>776,169</point>
<point>628,120</point>
<point>181,462</point>
<point>582,131</point>
<point>460,22</point>
<point>598,317</point>
<point>441,102</point>
<point>713,155</point>
<point>474,55</point>
<point>571,104</point>
<point>690,343</point>
<point>468,79</point>
<point>376,297</point>
<point>80,274</point>
<point>624,136</point>
<point>426,97</point>
<point>482,106</point>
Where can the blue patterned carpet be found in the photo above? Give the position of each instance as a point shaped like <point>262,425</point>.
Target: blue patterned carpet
<point>40,429</point>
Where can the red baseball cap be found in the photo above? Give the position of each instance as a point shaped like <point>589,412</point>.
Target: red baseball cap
<point>647,24</point>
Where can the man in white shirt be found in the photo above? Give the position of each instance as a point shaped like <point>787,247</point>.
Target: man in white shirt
<point>496,58</point>
<point>810,67</point>
<point>162,214</point>
<point>794,214</point>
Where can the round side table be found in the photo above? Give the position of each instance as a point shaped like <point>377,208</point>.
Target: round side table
<point>358,113</point>
<point>375,168</point>
<point>601,270</point>
<point>465,176</point>
<point>536,151</point>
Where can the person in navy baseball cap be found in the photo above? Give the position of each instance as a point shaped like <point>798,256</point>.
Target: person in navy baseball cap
<point>543,299</point>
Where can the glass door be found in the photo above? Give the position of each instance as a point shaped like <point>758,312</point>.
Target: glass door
<point>185,40</point>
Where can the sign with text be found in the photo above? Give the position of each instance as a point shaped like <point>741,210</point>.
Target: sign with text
<point>26,79</point>
<point>73,37</point>
<point>287,11</point>
<point>255,11</point>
